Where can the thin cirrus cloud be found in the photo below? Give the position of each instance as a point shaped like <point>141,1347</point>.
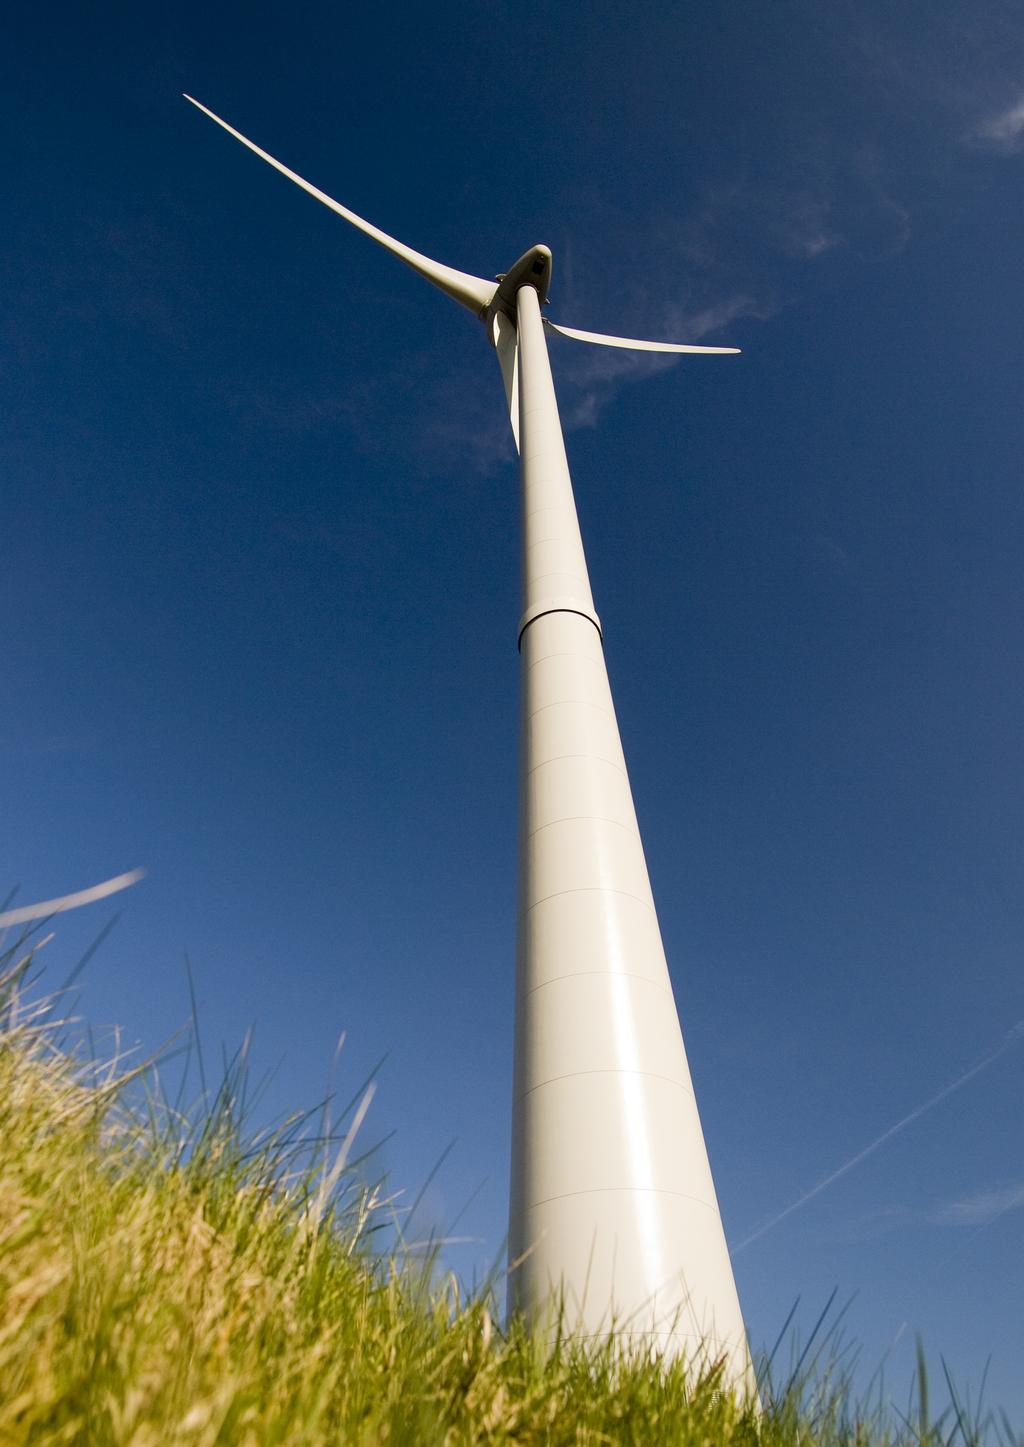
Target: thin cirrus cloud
<point>593,375</point>
<point>443,413</point>
<point>1014,1036</point>
<point>1003,131</point>
<point>733,257</point>
<point>825,198</point>
<point>974,1213</point>
<point>978,1210</point>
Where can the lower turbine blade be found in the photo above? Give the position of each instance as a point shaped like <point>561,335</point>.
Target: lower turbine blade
<point>633,344</point>
<point>506,344</point>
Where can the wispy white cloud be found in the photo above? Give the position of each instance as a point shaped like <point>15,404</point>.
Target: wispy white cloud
<point>1012,1037</point>
<point>980,1209</point>
<point>1003,131</point>
<point>825,198</point>
<point>794,218</point>
<point>433,414</point>
<point>593,375</point>
<point>976,1211</point>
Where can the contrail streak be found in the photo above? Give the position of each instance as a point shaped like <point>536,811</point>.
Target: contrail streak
<point>1010,1039</point>
<point>70,901</point>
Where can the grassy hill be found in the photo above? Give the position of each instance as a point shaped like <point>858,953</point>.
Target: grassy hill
<point>165,1280</point>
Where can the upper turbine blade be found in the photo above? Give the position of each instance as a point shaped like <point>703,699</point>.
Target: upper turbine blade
<point>632,343</point>
<point>472,291</point>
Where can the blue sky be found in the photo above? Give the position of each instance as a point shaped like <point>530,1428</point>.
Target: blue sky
<point>259,586</point>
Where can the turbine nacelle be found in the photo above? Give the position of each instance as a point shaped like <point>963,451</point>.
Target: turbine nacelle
<point>494,302</point>
<point>532,269</point>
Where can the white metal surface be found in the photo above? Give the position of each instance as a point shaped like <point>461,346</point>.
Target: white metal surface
<point>506,344</point>
<point>613,1210</point>
<point>634,344</point>
<point>472,291</point>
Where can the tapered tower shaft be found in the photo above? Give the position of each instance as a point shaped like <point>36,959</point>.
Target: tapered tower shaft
<point>613,1209</point>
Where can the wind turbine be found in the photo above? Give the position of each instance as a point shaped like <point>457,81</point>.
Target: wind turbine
<point>613,1220</point>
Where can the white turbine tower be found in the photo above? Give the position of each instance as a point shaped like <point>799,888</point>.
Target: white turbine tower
<point>613,1215</point>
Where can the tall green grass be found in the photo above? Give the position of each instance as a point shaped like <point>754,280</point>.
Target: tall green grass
<point>167,1278</point>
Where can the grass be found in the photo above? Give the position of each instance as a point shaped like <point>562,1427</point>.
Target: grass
<point>167,1279</point>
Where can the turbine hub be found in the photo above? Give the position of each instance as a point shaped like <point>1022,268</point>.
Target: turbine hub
<point>532,269</point>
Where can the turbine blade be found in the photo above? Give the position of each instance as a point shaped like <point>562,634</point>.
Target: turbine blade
<point>506,344</point>
<point>633,343</point>
<point>472,291</point>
